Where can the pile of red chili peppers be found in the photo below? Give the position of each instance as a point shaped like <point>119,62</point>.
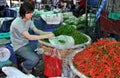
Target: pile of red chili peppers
<point>99,60</point>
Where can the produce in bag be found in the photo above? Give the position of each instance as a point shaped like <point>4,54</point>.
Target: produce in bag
<point>62,42</point>
<point>53,64</point>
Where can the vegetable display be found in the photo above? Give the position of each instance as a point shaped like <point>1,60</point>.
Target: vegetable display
<point>70,31</point>
<point>99,60</point>
<point>76,22</point>
<point>80,22</point>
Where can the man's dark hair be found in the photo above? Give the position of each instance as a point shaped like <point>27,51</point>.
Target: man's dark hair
<point>25,8</point>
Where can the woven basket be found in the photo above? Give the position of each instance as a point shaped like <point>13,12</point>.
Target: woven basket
<point>63,53</point>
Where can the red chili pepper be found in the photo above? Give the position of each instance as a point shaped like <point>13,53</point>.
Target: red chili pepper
<point>99,60</point>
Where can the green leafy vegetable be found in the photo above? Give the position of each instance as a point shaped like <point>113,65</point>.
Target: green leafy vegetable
<point>70,31</point>
<point>62,41</point>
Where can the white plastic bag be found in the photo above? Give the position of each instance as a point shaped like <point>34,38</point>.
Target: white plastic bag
<point>52,18</point>
<point>62,42</point>
<point>13,72</point>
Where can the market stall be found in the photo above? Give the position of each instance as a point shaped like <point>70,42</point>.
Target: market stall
<point>67,40</point>
<point>75,51</point>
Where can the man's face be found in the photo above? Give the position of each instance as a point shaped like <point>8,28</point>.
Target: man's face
<point>28,16</point>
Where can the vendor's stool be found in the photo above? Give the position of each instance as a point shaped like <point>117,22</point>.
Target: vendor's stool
<point>15,58</point>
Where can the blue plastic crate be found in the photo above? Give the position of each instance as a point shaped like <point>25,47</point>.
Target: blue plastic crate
<point>41,24</point>
<point>93,3</point>
<point>13,14</point>
<point>7,12</point>
<point>6,26</point>
<point>10,13</point>
<point>13,56</point>
<point>50,30</point>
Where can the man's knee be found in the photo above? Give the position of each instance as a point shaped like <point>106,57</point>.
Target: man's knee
<point>35,60</point>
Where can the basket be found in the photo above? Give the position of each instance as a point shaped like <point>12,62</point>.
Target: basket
<point>47,47</point>
<point>63,53</point>
<point>72,67</point>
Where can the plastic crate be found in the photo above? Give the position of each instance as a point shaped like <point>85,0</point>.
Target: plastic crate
<point>13,56</point>
<point>41,24</point>
<point>7,12</point>
<point>6,26</point>
<point>10,13</point>
<point>4,35</point>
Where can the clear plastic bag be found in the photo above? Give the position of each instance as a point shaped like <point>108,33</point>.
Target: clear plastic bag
<point>62,42</point>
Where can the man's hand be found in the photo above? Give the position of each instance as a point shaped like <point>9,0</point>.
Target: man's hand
<point>50,35</point>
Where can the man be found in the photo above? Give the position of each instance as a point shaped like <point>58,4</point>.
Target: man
<point>20,36</point>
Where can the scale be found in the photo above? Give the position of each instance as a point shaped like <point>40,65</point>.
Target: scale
<point>4,54</point>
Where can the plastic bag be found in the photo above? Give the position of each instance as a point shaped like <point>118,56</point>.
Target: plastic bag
<point>52,18</point>
<point>62,42</point>
<point>53,64</point>
<point>13,72</point>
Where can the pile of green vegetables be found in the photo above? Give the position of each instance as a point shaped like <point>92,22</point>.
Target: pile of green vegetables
<point>70,31</point>
<point>80,21</point>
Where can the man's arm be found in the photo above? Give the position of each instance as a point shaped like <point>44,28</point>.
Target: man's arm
<point>36,37</point>
<point>37,31</point>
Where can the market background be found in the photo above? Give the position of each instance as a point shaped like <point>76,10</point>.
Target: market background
<point>100,19</point>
